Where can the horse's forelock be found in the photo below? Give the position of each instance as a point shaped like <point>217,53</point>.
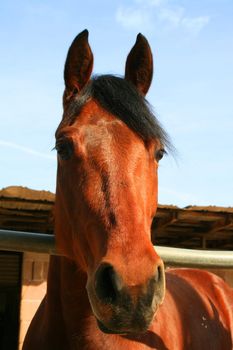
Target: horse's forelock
<point>120,98</point>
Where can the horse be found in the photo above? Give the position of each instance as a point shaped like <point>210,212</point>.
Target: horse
<point>108,289</point>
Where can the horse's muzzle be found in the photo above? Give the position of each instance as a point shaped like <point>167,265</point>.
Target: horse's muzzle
<point>122,309</point>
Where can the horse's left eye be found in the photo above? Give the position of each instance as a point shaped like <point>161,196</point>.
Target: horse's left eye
<point>159,154</point>
<point>64,149</point>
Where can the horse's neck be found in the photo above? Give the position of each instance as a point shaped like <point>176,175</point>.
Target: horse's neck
<point>68,312</point>
<point>67,299</point>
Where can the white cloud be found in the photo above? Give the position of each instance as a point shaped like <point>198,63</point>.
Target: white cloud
<point>172,16</point>
<point>176,18</point>
<point>195,24</point>
<point>145,13</point>
<point>26,150</point>
<point>132,18</point>
<point>151,2</point>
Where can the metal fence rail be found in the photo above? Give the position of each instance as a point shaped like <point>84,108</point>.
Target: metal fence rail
<point>18,241</point>
<point>42,243</point>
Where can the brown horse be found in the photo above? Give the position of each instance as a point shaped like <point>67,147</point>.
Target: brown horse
<point>108,291</point>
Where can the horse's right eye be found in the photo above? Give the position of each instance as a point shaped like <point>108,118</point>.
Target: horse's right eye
<point>159,154</point>
<point>65,149</point>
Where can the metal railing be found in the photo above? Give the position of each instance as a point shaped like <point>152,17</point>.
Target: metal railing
<point>18,241</point>
<point>42,243</point>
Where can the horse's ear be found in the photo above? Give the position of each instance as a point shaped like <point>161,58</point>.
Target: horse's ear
<point>79,64</point>
<point>139,65</point>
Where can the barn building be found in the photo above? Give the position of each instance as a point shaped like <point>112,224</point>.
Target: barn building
<point>23,274</point>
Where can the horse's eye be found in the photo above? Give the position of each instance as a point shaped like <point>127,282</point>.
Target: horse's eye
<point>65,149</point>
<point>159,154</point>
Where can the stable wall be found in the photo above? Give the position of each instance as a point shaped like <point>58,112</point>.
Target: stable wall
<point>34,277</point>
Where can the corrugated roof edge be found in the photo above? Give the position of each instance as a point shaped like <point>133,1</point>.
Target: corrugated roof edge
<point>24,193</point>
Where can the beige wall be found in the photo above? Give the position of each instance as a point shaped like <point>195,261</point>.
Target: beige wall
<point>34,275</point>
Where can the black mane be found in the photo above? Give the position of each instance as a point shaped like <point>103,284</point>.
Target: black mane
<point>120,98</point>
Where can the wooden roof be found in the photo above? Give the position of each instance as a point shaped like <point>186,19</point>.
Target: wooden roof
<point>194,227</point>
<point>210,227</point>
<point>22,209</point>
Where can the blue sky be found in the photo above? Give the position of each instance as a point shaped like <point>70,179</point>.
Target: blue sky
<point>192,43</point>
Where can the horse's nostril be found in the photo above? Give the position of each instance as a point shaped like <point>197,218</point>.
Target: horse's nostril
<point>107,284</point>
<point>158,274</point>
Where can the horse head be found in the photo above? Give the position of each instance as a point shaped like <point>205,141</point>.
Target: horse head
<point>109,144</point>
